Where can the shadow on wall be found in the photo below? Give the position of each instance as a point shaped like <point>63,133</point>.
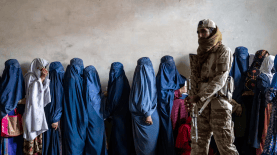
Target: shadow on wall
<point>130,75</point>
<point>182,64</point>
<point>24,67</point>
<point>65,66</point>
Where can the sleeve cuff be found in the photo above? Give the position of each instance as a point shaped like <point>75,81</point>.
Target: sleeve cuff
<point>147,114</point>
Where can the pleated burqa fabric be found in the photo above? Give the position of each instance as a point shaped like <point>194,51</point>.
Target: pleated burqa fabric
<point>238,72</point>
<point>121,141</point>
<point>12,89</point>
<point>53,111</point>
<point>239,68</point>
<point>75,117</point>
<point>96,138</point>
<point>143,103</point>
<point>168,80</point>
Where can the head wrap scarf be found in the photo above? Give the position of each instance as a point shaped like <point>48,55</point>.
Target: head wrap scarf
<point>168,80</point>
<point>11,87</point>
<point>53,111</point>
<point>258,59</point>
<point>35,72</point>
<point>143,103</point>
<point>75,117</point>
<point>36,66</point>
<point>267,66</point>
<point>254,70</point>
<point>210,44</point>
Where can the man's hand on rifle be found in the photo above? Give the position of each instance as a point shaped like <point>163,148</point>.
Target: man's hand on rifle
<point>183,89</point>
<point>190,100</point>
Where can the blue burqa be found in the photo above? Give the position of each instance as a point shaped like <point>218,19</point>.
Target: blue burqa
<point>12,89</point>
<point>96,137</point>
<point>238,72</point>
<point>121,141</point>
<point>53,110</point>
<point>75,117</point>
<point>143,103</point>
<point>168,80</point>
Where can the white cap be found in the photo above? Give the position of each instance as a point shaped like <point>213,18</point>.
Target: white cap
<point>206,23</point>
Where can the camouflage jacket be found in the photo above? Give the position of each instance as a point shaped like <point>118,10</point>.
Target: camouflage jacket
<point>214,72</point>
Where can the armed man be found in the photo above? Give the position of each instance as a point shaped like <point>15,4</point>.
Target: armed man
<point>215,87</point>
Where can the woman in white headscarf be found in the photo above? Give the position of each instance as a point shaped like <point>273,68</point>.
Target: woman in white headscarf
<point>267,67</point>
<point>260,108</point>
<point>37,97</point>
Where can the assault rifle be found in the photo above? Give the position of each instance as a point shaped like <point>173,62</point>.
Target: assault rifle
<point>193,89</point>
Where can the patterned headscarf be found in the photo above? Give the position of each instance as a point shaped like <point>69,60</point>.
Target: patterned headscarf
<point>254,70</point>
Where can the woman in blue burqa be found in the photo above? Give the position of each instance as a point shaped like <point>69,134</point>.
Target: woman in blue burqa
<point>53,111</point>
<point>96,138</point>
<point>168,80</point>
<point>75,117</point>
<point>143,107</point>
<point>12,91</point>
<point>270,147</point>
<point>238,72</point>
<point>259,104</point>
<point>117,109</point>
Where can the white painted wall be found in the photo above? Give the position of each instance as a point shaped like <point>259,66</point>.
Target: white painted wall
<point>104,31</point>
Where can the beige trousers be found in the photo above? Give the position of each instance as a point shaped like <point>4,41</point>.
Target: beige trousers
<point>216,119</point>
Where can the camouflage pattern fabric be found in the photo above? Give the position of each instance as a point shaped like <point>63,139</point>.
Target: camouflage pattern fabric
<point>216,119</point>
